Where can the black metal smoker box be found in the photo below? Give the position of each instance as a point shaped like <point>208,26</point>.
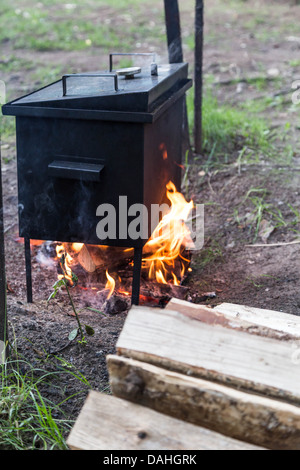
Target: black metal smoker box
<point>90,138</point>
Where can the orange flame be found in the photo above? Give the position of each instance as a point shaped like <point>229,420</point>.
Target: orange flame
<point>175,280</point>
<point>111,283</point>
<point>160,277</point>
<point>60,252</point>
<point>169,239</point>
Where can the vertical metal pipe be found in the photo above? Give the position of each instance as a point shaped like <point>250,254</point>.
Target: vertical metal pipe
<point>198,80</point>
<point>3,311</point>
<point>136,281</point>
<point>28,269</point>
<point>172,18</point>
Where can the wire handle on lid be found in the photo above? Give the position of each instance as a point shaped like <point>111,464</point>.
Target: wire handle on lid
<point>96,74</point>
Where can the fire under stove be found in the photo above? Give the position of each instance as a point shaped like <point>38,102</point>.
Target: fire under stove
<point>90,138</point>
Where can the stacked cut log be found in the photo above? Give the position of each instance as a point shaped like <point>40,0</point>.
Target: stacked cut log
<point>232,370</point>
<point>110,423</point>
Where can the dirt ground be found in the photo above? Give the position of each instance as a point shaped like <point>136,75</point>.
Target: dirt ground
<point>265,277</point>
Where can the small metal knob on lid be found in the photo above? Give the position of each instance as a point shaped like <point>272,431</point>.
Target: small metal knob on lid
<point>129,72</point>
<point>154,68</point>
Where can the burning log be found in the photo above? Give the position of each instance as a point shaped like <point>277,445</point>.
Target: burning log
<point>98,258</point>
<point>85,259</point>
<point>158,290</point>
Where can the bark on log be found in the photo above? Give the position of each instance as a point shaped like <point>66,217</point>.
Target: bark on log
<point>244,416</point>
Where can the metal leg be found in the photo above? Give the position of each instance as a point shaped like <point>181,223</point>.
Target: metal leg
<point>136,281</point>
<point>198,76</point>
<point>28,269</point>
<point>172,18</point>
<point>3,317</point>
<point>173,29</point>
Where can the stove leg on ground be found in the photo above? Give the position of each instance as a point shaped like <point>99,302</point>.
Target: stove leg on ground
<point>28,269</point>
<point>3,317</point>
<point>136,281</point>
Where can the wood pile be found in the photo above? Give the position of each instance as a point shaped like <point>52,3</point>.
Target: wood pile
<point>232,373</point>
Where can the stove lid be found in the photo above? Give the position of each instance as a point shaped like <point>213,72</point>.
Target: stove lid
<point>133,89</point>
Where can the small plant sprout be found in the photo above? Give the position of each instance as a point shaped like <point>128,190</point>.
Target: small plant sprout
<point>63,282</point>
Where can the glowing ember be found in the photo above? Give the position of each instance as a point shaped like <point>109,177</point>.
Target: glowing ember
<point>163,149</point>
<point>124,292</point>
<point>110,285</point>
<point>169,240</point>
<point>32,242</point>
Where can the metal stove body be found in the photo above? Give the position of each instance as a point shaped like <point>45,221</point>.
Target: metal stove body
<point>88,139</point>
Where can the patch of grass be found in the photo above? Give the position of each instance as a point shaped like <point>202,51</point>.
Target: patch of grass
<point>55,26</point>
<point>43,75</point>
<point>261,209</point>
<point>262,83</point>
<point>28,419</point>
<point>294,63</point>
<point>281,221</point>
<point>227,128</point>
<point>263,104</point>
<point>7,124</point>
<point>7,128</point>
<point>256,280</point>
<point>209,255</point>
<point>64,34</point>
<point>14,63</point>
